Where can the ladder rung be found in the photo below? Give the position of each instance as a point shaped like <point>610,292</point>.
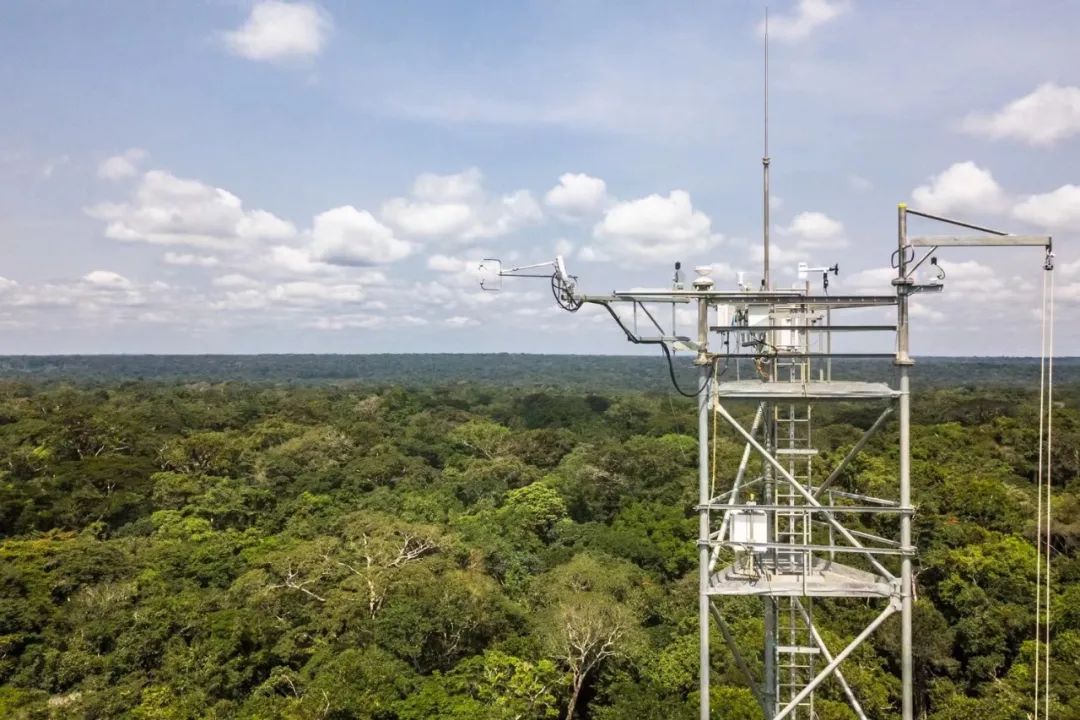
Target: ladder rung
<point>798,649</point>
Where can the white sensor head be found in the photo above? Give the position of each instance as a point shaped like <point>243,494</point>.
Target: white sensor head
<point>703,281</point>
<point>560,268</point>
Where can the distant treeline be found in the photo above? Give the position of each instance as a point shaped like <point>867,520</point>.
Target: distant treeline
<point>597,372</point>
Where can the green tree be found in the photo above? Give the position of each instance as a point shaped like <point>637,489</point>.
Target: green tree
<point>482,438</point>
<point>491,686</point>
<point>590,615</point>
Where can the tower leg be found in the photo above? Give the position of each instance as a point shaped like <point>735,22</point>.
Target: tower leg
<point>906,596</point>
<point>768,680</point>
<point>903,362</point>
<point>704,496</point>
<point>768,692</point>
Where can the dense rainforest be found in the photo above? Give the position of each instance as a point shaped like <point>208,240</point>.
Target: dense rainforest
<point>210,548</point>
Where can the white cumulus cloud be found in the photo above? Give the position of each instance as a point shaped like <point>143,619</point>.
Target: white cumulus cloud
<point>235,280</point>
<point>464,186</point>
<point>577,195</point>
<point>458,272</point>
<point>1049,113</point>
<point>654,228</point>
<point>174,258</point>
<point>167,210</point>
<point>430,220</point>
<point>455,208</point>
<point>92,294</point>
<point>1055,210</point>
<point>963,187</point>
<point>814,229</point>
<point>107,279</point>
<point>807,16</point>
<point>293,261</point>
<point>447,264</point>
<point>347,236</point>
<point>277,30</point>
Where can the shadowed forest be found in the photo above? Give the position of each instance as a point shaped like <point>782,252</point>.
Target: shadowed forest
<point>198,543</point>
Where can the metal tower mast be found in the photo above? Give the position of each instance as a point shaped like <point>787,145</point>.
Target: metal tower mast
<point>785,528</point>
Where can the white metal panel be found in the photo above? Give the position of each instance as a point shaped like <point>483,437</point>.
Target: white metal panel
<point>749,527</point>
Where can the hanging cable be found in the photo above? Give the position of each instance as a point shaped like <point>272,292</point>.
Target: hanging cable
<point>1039,492</point>
<point>671,372</point>
<point>1049,482</point>
<point>663,346</point>
<point>1044,487</point>
<point>712,491</point>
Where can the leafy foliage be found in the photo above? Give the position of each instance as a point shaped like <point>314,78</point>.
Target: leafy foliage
<point>248,550</point>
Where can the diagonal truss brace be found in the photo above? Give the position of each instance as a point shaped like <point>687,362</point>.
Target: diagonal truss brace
<point>737,485</point>
<point>829,669</point>
<point>807,495</point>
<point>820,642</point>
<point>855,449</point>
<point>740,661</point>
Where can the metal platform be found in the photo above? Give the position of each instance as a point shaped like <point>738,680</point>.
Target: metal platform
<point>834,390</point>
<point>772,297</point>
<point>827,579</point>
<point>804,328</point>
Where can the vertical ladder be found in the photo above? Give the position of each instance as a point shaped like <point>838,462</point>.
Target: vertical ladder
<point>797,657</point>
<point>796,652</point>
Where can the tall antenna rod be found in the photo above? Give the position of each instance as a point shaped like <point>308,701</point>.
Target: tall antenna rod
<point>766,281</point>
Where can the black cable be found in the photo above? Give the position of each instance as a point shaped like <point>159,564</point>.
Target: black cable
<point>727,357</point>
<point>671,371</point>
<point>618,321</point>
<point>909,255</point>
<point>663,346</point>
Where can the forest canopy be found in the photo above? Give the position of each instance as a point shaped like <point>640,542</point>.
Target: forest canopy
<point>244,549</point>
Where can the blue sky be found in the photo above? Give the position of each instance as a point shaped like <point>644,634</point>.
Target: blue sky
<point>233,176</point>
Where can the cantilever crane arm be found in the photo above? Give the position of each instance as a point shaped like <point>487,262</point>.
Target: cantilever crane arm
<point>989,238</point>
<point>937,241</point>
<point>564,288</point>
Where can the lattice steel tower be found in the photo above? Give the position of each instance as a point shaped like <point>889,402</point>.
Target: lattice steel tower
<point>786,529</point>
